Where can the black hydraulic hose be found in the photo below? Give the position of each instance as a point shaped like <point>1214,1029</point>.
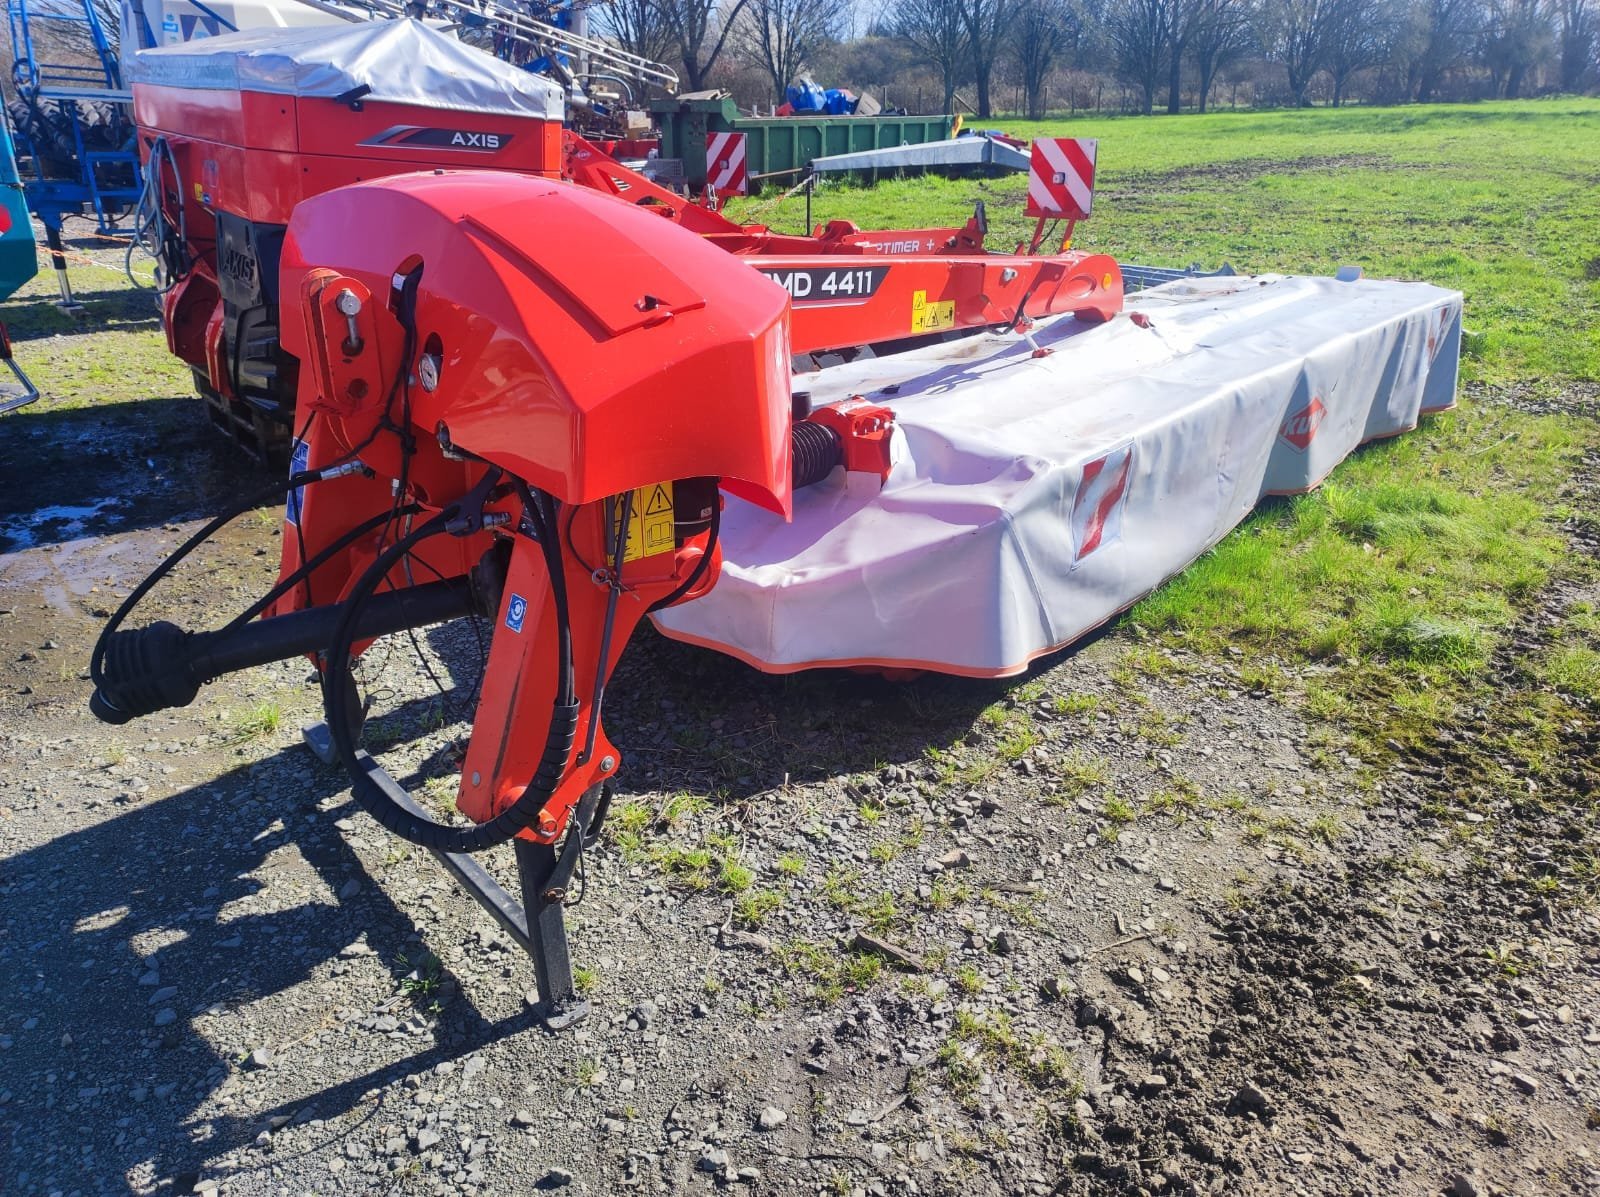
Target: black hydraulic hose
<point>378,793</point>
<point>700,566</point>
<point>615,592</point>
<point>545,518</point>
<point>271,490</point>
<point>307,568</point>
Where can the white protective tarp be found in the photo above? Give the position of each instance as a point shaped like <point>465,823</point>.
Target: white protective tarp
<point>1032,499</point>
<point>402,61</point>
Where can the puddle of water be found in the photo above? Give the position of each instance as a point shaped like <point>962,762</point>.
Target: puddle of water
<point>57,523</point>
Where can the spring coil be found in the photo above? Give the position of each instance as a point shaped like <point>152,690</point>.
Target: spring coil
<point>817,449</point>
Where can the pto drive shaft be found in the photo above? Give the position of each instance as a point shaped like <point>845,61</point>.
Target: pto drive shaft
<point>164,666</point>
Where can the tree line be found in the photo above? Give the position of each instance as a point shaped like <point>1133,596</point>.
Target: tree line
<point>1040,55</point>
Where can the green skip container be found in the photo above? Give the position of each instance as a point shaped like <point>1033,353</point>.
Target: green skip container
<point>778,149</point>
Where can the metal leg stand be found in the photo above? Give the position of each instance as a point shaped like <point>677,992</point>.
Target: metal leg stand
<point>319,738</point>
<point>68,303</point>
<point>559,1004</point>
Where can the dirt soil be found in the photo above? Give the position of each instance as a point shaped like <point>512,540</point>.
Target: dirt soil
<point>217,975</point>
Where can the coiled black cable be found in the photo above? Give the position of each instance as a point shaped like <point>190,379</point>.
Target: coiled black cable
<point>700,566</point>
<point>374,789</point>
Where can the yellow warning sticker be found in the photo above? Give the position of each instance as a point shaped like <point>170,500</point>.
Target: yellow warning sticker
<point>650,524</point>
<point>931,317</point>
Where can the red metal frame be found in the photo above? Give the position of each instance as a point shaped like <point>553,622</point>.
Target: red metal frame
<point>901,283</point>
<point>257,155</point>
<point>588,385</point>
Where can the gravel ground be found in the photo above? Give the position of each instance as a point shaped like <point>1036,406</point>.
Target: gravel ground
<point>1173,940</point>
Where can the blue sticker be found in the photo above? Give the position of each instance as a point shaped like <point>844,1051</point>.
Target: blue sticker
<point>299,462</point>
<point>516,612</point>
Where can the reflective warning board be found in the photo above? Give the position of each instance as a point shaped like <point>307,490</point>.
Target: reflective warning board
<point>1061,177</point>
<point>650,525</point>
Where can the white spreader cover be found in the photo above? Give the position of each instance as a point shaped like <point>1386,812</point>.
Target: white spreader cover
<point>402,61</point>
<point>1032,499</point>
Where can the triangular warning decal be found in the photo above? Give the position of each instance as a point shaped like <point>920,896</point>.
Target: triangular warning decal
<point>660,501</point>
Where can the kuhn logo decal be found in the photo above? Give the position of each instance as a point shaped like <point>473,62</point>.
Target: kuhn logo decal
<point>1300,429</point>
<point>444,139</point>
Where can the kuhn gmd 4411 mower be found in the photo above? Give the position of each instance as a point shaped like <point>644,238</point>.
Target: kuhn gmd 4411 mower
<point>556,396</point>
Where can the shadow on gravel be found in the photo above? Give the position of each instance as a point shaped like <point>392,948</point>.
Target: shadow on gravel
<point>688,718</point>
<point>108,1046</point>
<point>73,472</point>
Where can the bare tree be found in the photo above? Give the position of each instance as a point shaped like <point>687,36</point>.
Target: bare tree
<point>1296,33</point>
<point>936,28</point>
<point>782,35</point>
<point>1040,32</point>
<point>700,30</point>
<point>1576,31</point>
<point>1140,32</point>
<point>1185,20</point>
<point>1222,36</point>
<point>1357,36</point>
<point>638,26</point>
<point>1516,36</point>
<point>1446,29</point>
<point>986,33</point>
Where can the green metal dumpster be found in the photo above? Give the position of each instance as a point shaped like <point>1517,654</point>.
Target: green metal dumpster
<point>779,148</point>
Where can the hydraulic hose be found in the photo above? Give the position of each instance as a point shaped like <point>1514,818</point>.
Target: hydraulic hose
<point>308,568</point>
<point>270,491</point>
<point>700,566</point>
<point>377,792</point>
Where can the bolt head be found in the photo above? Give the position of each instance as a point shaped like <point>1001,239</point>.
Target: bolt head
<point>607,764</point>
<point>348,303</point>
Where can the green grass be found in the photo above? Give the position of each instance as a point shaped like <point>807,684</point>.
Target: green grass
<point>257,721</point>
<point>1493,199</point>
<point>1402,573</point>
<point>1575,669</point>
<point>1039,1061</point>
<point>827,972</point>
<point>752,909</point>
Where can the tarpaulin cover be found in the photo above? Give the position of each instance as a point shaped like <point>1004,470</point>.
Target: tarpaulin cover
<point>952,151</point>
<point>1032,499</point>
<point>402,61</point>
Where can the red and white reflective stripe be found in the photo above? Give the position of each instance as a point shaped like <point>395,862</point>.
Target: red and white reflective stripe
<point>1061,177</point>
<point>1097,507</point>
<point>725,167</point>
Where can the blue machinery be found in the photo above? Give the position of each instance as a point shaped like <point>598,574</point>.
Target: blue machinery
<point>71,121</point>
<point>19,262</point>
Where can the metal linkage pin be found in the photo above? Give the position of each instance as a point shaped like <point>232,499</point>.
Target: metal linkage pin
<point>349,305</point>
